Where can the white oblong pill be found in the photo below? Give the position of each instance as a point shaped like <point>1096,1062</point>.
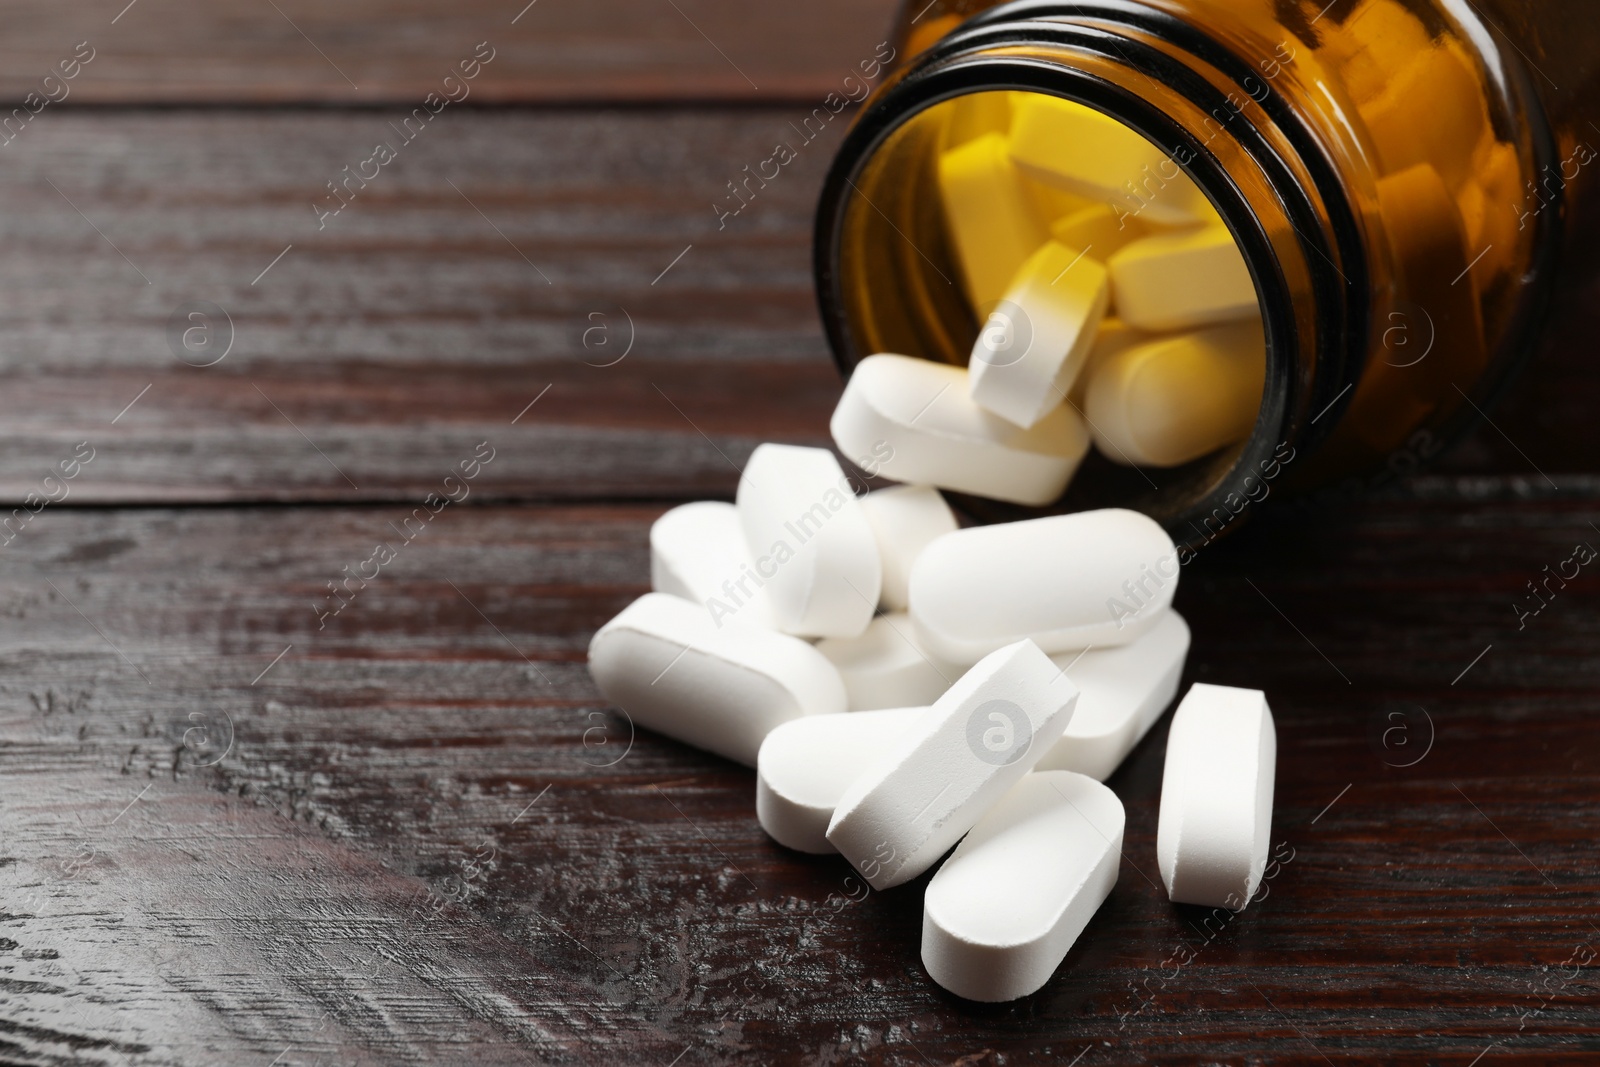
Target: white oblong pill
<point>1090,153</point>
<point>810,541</point>
<point>1003,911</point>
<point>905,519</point>
<point>1178,281</point>
<point>886,668</point>
<point>1216,796</point>
<point>1122,691</point>
<point>1036,339</point>
<point>1174,399</point>
<point>930,784</point>
<point>806,764</point>
<point>697,552</point>
<point>988,215</point>
<point>1093,578</point>
<point>919,414</point>
<point>672,669</point>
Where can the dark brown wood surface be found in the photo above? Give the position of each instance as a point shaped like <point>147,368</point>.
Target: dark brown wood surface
<point>374,52</point>
<point>236,829</point>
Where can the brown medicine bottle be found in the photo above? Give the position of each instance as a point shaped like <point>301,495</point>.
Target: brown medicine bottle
<point>1410,182</point>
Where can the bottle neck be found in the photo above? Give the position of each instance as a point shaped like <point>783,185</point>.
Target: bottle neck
<point>1337,245</point>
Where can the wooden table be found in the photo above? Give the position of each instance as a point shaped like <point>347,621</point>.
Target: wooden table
<point>241,827</point>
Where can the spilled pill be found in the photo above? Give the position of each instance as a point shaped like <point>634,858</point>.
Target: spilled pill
<point>806,764</point>
<point>1090,153</point>
<point>936,435</point>
<point>1178,281</point>
<point>886,668</point>
<point>929,785</point>
<point>1173,399</point>
<point>904,519</point>
<point>1122,691</point>
<point>1034,343</point>
<point>697,552</point>
<point>666,664</point>
<point>810,541</point>
<point>1216,797</point>
<point>1001,914</point>
<point>908,690</point>
<point>1092,578</point>
<point>988,215</point>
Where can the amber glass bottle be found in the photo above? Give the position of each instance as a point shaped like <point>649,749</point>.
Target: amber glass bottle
<point>1403,177</point>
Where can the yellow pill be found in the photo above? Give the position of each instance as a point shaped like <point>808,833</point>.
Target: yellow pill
<point>976,114</point>
<point>1441,83</point>
<point>1492,205</point>
<point>1083,151</point>
<point>1175,399</point>
<point>1032,345</point>
<point>988,216</point>
<point>1375,40</point>
<point>1177,281</point>
<point>1428,324</point>
<point>1052,203</point>
<point>1113,336</point>
<point>1097,229</point>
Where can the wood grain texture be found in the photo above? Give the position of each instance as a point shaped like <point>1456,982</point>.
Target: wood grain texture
<point>418,321</point>
<point>499,254</point>
<point>337,859</point>
<point>240,827</point>
<point>375,52</point>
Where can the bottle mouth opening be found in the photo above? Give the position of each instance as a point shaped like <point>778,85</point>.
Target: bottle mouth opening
<point>888,278</point>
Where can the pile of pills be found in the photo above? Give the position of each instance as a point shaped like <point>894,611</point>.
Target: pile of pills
<point>904,686</point>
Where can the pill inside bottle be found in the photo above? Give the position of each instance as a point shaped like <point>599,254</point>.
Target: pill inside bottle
<point>1295,285</point>
<point>1098,278</point>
